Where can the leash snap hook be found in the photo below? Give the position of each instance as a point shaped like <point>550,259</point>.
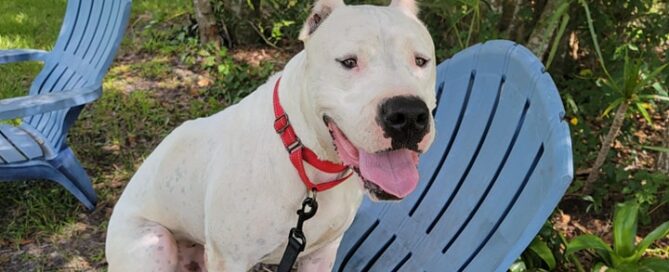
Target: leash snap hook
<point>308,210</point>
<point>296,238</point>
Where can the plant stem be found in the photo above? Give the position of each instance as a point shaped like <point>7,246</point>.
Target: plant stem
<point>606,146</point>
<point>663,158</point>
<point>593,34</point>
<point>475,19</point>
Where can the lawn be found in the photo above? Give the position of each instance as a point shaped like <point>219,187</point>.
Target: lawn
<point>159,79</point>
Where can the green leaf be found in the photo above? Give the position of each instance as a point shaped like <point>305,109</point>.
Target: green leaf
<point>650,77</point>
<point>632,82</point>
<point>612,106</point>
<point>658,233</point>
<point>557,39</point>
<point>593,34</point>
<point>624,228</point>
<point>655,97</point>
<point>626,267</point>
<point>540,248</point>
<point>659,89</point>
<point>654,265</point>
<point>571,103</point>
<point>589,241</point>
<point>657,148</point>
<point>643,111</point>
<point>601,267</point>
<point>518,266</point>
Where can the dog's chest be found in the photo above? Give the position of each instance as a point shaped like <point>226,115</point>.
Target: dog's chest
<point>336,210</point>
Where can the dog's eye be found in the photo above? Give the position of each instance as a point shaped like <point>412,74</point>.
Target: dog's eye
<point>348,63</point>
<point>421,62</point>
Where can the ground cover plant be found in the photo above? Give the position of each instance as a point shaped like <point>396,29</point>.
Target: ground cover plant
<point>608,59</point>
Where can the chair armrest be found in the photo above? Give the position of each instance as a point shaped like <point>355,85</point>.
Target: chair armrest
<point>11,108</point>
<point>16,55</point>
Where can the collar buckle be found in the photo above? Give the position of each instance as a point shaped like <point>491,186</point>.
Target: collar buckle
<point>281,125</point>
<point>294,145</point>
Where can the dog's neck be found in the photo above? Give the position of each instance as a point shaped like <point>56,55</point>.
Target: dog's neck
<point>306,120</point>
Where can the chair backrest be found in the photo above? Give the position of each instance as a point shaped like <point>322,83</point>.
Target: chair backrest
<point>91,33</point>
<point>499,165</point>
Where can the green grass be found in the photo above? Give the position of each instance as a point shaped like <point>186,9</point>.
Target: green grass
<point>24,24</point>
<point>28,25</point>
<point>143,101</point>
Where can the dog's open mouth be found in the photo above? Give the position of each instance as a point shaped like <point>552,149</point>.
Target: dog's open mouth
<point>387,175</point>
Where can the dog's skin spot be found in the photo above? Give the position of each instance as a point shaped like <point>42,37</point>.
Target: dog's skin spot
<point>160,248</point>
<point>260,242</point>
<point>192,266</point>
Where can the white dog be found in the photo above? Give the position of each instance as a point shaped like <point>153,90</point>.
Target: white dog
<point>221,193</point>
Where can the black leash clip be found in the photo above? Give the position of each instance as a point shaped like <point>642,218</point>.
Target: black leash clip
<point>296,239</point>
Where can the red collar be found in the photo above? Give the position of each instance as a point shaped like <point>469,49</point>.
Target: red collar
<point>299,153</point>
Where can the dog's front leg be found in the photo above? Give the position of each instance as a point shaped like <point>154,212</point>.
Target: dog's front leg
<point>320,260</point>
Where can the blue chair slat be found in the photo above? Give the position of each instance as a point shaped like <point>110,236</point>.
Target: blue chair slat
<point>70,78</point>
<point>16,55</point>
<point>109,10</point>
<point>119,14</point>
<point>8,153</point>
<point>21,141</point>
<point>498,167</point>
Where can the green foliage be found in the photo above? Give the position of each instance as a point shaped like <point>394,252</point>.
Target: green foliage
<point>545,253</point>
<point>235,80</point>
<point>537,257</point>
<point>626,254</point>
<point>270,22</point>
<point>638,84</point>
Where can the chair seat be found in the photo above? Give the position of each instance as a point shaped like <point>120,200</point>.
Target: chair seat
<point>17,145</point>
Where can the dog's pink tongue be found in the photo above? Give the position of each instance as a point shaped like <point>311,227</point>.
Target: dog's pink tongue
<point>394,171</point>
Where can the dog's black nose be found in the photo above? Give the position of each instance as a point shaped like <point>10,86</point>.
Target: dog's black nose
<point>405,119</point>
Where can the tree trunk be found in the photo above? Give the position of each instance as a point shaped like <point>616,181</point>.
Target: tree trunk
<point>510,20</point>
<point>206,22</point>
<point>663,158</point>
<point>606,146</point>
<point>544,28</point>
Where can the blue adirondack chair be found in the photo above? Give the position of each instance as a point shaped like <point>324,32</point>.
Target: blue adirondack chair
<point>70,78</point>
<point>499,165</point>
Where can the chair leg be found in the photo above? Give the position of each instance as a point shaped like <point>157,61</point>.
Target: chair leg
<point>69,185</point>
<point>71,169</point>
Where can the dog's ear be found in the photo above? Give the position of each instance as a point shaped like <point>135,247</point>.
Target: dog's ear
<point>321,10</point>
<point>409,7</point>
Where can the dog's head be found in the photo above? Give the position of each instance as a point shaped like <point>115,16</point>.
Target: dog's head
<point>370,72</point>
